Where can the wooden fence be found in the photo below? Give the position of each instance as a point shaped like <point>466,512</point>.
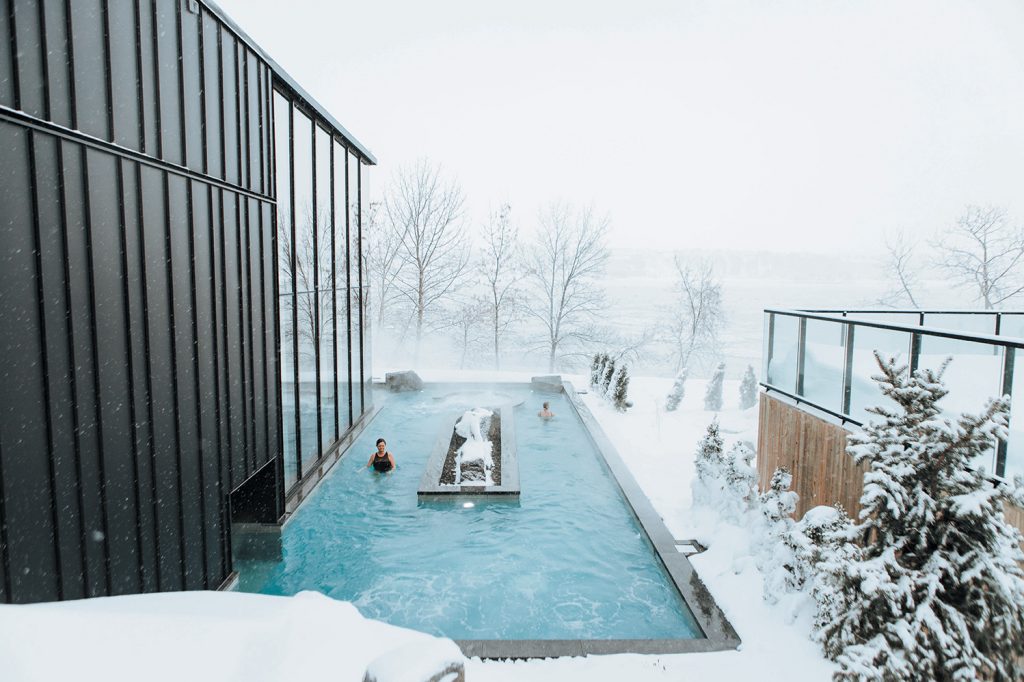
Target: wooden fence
<point>814,451</point>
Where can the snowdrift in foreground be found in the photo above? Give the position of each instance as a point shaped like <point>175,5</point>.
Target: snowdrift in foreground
<point>210,636</point>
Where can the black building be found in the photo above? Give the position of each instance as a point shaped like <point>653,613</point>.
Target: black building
<point>182,328</point>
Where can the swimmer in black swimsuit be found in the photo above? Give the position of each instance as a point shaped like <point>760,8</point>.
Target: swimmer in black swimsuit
<point>382,460</point>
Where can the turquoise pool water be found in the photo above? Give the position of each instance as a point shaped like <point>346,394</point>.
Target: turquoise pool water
<point>568,561</point>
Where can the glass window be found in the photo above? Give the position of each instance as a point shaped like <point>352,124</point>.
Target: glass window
<point>341,301</point>
<point>824,362</point>
<point>325,285</point>
<point>282,133</point>
<point>864,391</point>
<point>782,358</point>
<point>355,246</point>
<point>305,285</point>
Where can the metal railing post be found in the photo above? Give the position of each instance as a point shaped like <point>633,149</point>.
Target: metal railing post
<point>847,369</point>
<point>1007,389</point>
<point>801,352</point>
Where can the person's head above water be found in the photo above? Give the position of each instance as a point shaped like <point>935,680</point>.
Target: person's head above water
<point>381,445</point>
<point>546,405</point>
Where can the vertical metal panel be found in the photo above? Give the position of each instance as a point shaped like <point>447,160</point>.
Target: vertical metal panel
<point>7,49</point>
<point>169,83</point>
<point>257,324</point>
<point>223,406</point>
<point>135,284</point>
<point>123,73</point>
<point>191,89</point>
<point>233,357</point>
<point>245,329</point>
<point>114,390</point>
<point>23,435</point>
<point>254,165</point>
<point>59,367</point>
<point>80,310</point>
<point>58,73</point>
<point>241,103</point>
<point>180,263</point>
<point>212,96</point>
<point>165,437</point>
<point>149,76</point>
<point>90,68</point>
<point>28,41</point>
<point>229,103</point>
<point>207,378</point>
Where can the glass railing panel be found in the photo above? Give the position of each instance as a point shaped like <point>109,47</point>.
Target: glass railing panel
<point>824,360</point>
<point>973,376</point>
<point>973,323</point>
<point>1012,324</point>
<point>864,391</point>
<point>1015,440</point>
<point>782,359</point>
<point>766,340</point>
<point>911,319</point>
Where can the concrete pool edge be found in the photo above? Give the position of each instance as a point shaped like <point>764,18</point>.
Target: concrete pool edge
<point>719,635</point>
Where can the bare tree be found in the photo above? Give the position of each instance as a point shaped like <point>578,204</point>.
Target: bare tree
<point>382,261</point>
<point>500,266</point>
<point>426,210</point>
<point>563,265</point>
<point>696,319</point>
<point>984,251</point>
<point>901,271</point>
<point>468,322</point>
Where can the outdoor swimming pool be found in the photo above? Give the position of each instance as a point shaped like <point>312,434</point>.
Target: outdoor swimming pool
<point>567,561</point>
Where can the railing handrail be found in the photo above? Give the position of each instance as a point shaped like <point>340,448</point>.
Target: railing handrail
<point>913,311</point>
<point>992,339</point>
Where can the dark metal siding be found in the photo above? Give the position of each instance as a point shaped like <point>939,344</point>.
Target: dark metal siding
<point>140,332</point>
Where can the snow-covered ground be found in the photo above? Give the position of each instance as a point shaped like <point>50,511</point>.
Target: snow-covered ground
<point>192,636</point>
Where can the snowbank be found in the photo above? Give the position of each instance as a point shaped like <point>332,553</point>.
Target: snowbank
<point>221,636</point>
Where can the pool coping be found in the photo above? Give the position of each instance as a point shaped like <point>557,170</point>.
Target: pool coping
<point>719,635</point>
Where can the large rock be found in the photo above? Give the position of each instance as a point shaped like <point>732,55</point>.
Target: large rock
<point>406,380</point>
<point>549,382</point>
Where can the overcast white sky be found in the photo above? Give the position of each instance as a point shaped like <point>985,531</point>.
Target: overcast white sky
<point>715,123</point>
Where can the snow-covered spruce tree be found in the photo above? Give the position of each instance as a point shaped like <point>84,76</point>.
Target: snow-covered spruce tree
<point>713,394</point>
<point>780,548</point>
<point>609,374</point>
<point>748,389</point>
<point>619,398</point>
<point>678,391</point>
<point>595,370</point>
<point>739,479</point>
<point>937,590</point>
<point>707,486</point>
